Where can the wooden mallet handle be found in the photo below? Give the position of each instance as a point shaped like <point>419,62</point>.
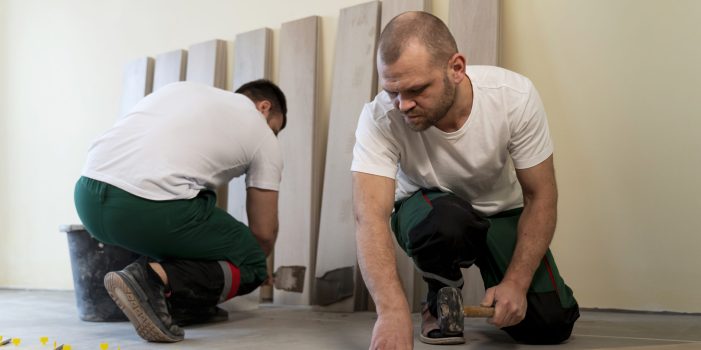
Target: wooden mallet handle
<point>478,311</point>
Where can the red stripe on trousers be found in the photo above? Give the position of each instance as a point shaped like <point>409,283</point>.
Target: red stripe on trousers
<point>426,198</point>
<point>235,280</point>
<point>550,273</point>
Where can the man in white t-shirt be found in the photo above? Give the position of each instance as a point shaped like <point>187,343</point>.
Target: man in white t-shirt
<point>461,160</point>
<point>149,186</point>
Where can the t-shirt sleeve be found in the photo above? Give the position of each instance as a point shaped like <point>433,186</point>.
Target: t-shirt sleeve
<point>530,142</point>
<point>265,170</point>
<point>375,151</point>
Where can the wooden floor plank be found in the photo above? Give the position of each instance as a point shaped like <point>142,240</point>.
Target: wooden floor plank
<point>252,57</point>
<point>392,8</point>
<point>170,67</point>
<point>354,83</point>
<point>206,63</point>
<point>137,82</point>
<point>252,51</point>
<point>414,287</point>
<point>475,26</point>
<point>300,190</point>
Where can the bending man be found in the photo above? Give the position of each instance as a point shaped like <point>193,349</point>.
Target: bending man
<point>461,160</point>
<point>149,186</point>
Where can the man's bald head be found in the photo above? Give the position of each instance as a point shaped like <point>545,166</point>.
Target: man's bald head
<point>424,28</point>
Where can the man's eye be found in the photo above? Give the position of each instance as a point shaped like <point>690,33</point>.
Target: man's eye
<point>417,91</point>
<point>391,94</point>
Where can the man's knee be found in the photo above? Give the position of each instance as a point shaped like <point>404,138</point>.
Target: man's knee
<point>252,276</point>
<point>546,322</point>
<point>547,335</point>
<point>453,228</point>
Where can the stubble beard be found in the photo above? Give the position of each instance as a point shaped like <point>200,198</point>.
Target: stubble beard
<point>430,118</point>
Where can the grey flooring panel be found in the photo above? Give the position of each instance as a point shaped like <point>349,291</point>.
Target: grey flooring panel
<point>206,63</point>
<point>300,190</point>
<point>252,57</point>
<point>170,68</point>
<point>392,8</point>
<point>137,82</point>
<point>252,51</point>
<point>475,26</point>
<point>354,83</point>
<point>29,315</point>
<point>414,287</point>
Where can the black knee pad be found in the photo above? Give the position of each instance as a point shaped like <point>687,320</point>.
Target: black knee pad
<point>461,223</point>
<point>546,322</point>
<point>246,288</point>
<point>260,274</point>
<point>453,235</point>
<point>194,283</point>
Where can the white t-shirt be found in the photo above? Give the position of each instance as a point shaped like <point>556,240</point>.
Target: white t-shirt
<point>183,138</point>
<point>507,127</point>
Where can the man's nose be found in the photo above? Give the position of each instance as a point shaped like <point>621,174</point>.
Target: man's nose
<point>404,104</point>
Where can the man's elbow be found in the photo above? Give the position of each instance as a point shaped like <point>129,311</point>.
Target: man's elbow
<point>266,239</point>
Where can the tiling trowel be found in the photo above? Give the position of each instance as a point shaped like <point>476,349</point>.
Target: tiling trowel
<point>290,278</point>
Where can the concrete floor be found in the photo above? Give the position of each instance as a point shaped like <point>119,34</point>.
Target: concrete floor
<point>29,315</point>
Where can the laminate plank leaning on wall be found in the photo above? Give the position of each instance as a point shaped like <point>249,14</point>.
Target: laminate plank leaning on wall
<point>170,67</point>
<point>206,63</point>
<point>252,56</point>
<point>300,190</point>
<point>414,287</point>
<point>252,53</point>
<point>475,26</point>
<point>137,83</point>
<point>354,82</point>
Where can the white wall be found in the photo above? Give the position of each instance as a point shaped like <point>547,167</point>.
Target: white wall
<point>65,62</point>
<point>4,146</point>
<point>620,80</point>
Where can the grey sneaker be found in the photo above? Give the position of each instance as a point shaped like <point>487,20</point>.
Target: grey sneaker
<point>143,301</point>
<point>447,327</point>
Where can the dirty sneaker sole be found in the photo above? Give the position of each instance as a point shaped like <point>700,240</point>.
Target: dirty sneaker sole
<point>127,295</point>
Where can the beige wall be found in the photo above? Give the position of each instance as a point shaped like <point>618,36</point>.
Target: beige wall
<point>619,80</point>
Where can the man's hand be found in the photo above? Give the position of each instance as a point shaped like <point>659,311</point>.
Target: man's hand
<point>509,301</point>
<point>373,199</point>
<point>393,331</point>
<point>535,231</point>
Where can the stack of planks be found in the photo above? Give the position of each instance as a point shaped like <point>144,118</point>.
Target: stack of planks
<point>317,229</point>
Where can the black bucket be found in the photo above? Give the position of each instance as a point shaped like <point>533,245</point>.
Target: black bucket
<point>91,260</point>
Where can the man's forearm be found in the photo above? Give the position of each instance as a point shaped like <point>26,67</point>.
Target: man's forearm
<point>266,244</point>
<point>535,232</point>
<point>378,265</point>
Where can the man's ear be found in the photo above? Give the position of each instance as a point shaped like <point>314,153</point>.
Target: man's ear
<point>456,67</point>
<point>263,107</point>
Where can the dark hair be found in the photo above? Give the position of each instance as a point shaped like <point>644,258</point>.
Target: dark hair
<point>263,89</point>
<point>424,27</point>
